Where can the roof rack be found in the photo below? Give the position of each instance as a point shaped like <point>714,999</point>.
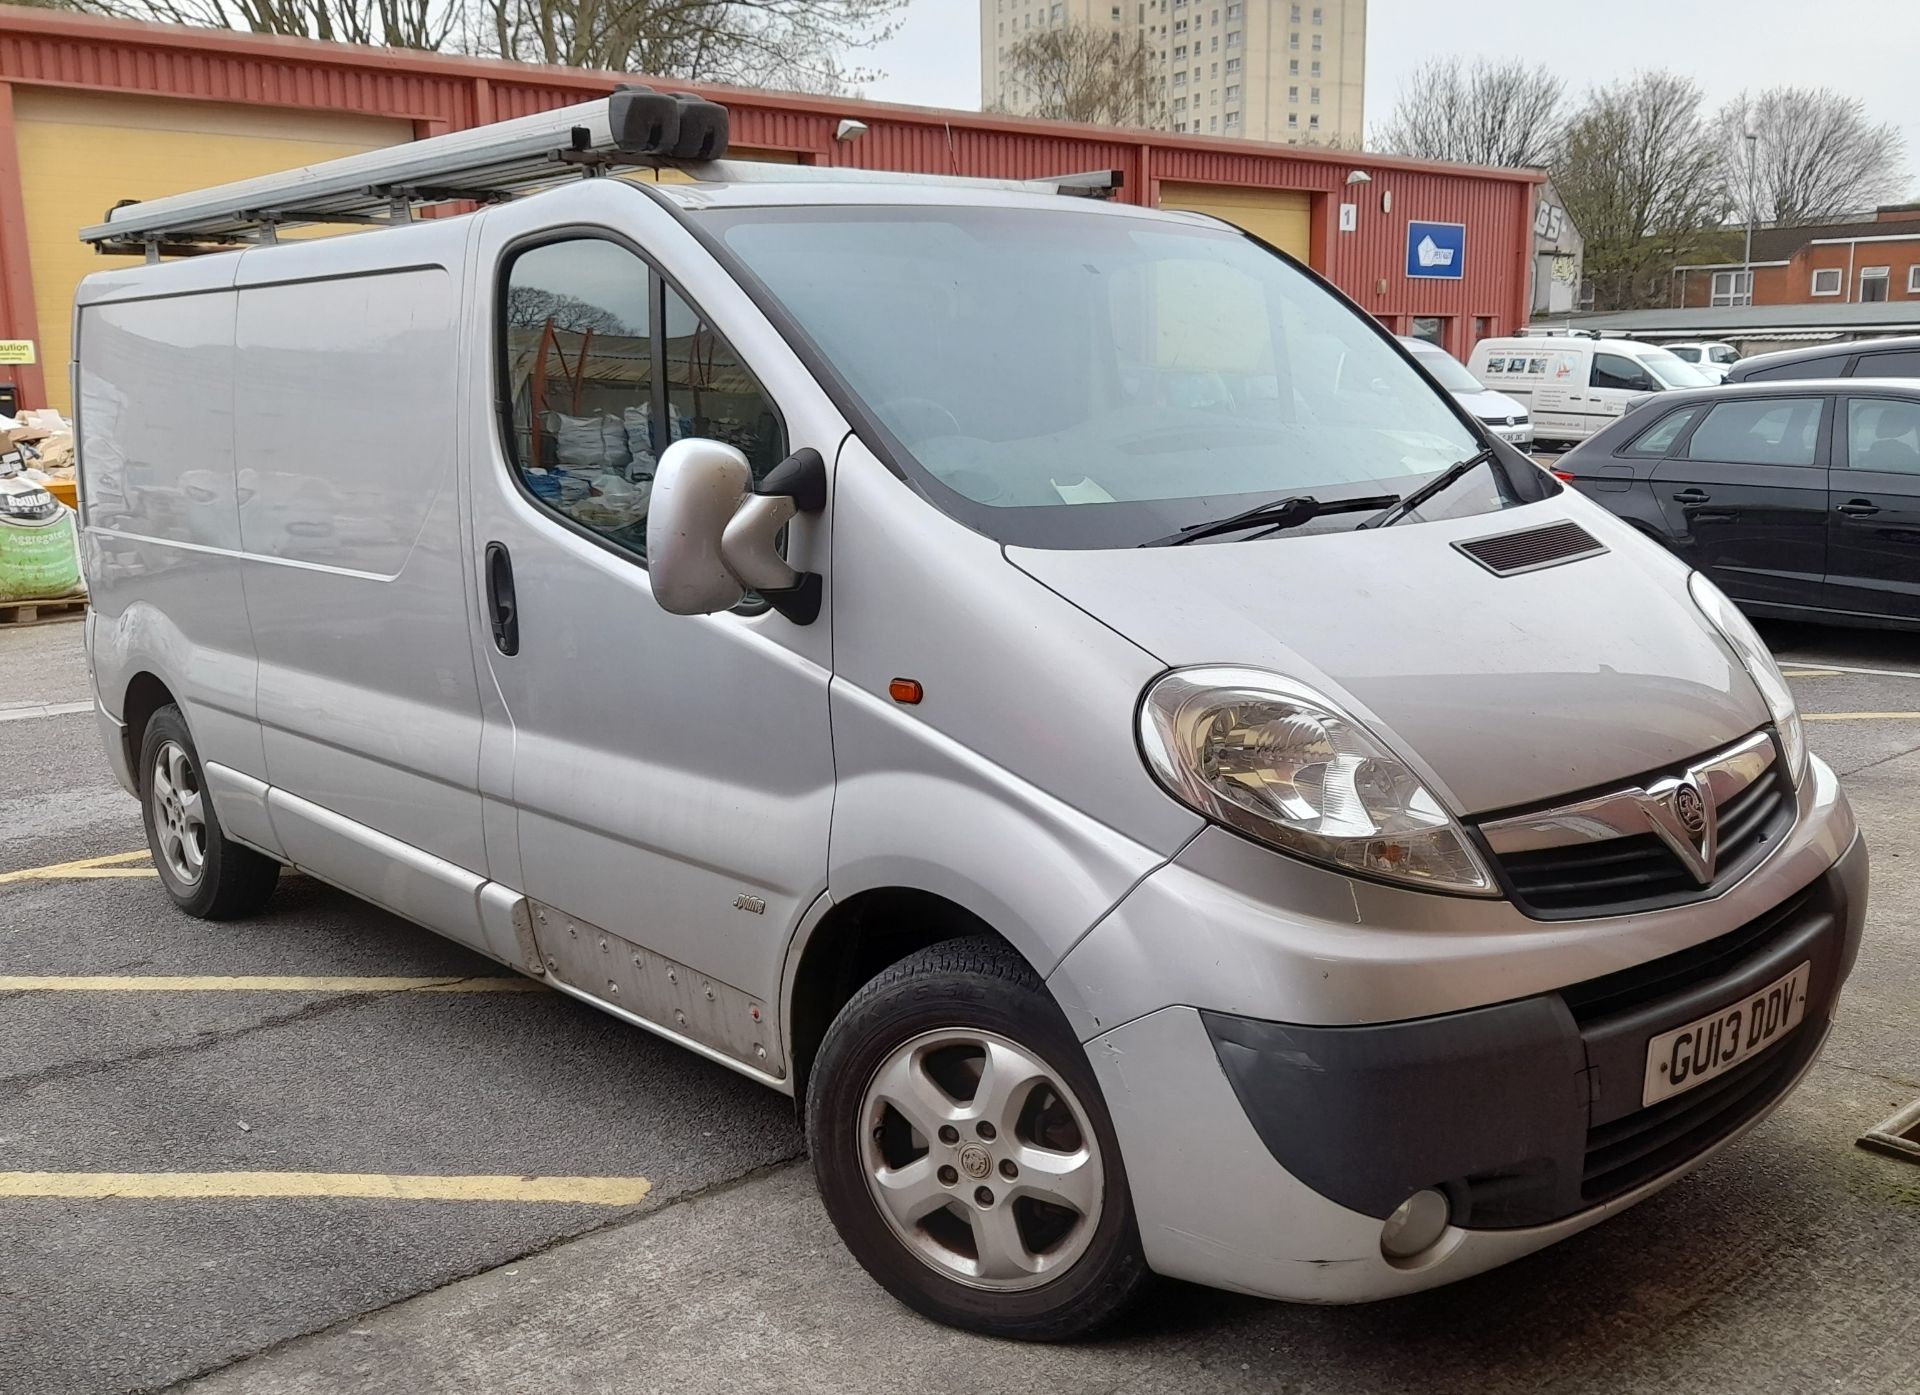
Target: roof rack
<point>634,127</point>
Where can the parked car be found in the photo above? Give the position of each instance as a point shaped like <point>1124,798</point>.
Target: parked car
<point>1574,384</point>
<point>1500,414</point>
<point>1801,500</point>
<point>1160,796</point>
<point>1710,356</point>
<point>1859,358</point>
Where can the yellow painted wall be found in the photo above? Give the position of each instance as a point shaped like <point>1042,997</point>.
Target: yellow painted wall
<point>1279,216</point>
<point>81,152</point>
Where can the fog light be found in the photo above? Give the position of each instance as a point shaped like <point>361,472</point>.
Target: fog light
<point>1415,1225</point>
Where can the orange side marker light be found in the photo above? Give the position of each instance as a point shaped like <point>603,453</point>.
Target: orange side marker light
<point>906,690</point>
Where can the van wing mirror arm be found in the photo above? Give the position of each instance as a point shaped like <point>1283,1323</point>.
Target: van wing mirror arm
<point>795,486</point>
<point>802,476</point>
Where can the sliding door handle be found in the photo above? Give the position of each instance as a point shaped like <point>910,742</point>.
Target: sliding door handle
<point>503,609</point>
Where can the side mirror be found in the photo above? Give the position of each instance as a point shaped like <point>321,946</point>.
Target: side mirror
<point>712,536</point>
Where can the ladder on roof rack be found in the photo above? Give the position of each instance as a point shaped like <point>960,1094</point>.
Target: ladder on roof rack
<point>634,127</point>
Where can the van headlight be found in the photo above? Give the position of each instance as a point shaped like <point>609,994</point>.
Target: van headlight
<point>1745,641</point>
<point>1277,761</point>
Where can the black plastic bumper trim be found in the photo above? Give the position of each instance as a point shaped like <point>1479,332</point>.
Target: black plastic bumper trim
<point>1520,1112</point>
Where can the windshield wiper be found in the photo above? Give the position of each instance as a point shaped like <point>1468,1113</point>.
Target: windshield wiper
<point>1439,484</point>
<point>1274,516</point>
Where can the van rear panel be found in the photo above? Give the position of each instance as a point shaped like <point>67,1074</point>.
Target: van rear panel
<point>161,541</point>
<point>269,447</point>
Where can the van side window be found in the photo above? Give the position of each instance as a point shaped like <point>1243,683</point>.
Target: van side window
<point>1658,439</point>
<point>711,394</point>
<point>577,369</point>
<point>1770,431</point>
<point>603,366</point>
<point>1616,371</point>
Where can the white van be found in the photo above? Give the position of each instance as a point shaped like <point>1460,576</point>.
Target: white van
<point>1501,415</point>
<point>1046,683</point>
<point>1575,384</point>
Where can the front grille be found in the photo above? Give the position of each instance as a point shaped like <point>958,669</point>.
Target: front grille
<point>1675,974</point>
<point>1613,876</point>
<point>1653,1141</point>
<point>1586,877</point>
<point>1527,551</point>
<point>1749,820</point>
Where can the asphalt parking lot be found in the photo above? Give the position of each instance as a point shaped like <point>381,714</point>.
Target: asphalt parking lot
<point>499,1189</point>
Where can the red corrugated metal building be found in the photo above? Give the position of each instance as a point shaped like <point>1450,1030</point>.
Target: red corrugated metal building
<point>93,111</point>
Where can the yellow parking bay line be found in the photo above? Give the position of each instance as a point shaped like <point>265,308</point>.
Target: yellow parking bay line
<point>108,866</point>
<point>263,983</point>
<point>376,1186</point>
<point>1860,716</point>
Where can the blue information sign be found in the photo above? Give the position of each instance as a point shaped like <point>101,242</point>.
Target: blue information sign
<point>1437,251</point>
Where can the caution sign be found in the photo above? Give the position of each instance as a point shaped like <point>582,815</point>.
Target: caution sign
<point>16,351</point>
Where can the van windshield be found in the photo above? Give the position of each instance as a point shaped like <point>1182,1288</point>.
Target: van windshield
<point>1672,372</point>
<point>1066,378</point>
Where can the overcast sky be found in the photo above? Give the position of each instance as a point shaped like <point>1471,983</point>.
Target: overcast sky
<point>1866,47</point>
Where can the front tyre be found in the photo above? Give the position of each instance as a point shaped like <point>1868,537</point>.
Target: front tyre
<point>965,1154</point>
<point>206,873</point>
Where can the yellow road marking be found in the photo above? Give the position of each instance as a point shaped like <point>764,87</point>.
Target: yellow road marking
<point>1860,716</point>
<point>1810,673</point>
<point>262,983</point>
<point>85,867</point>
<point>380,1186</point>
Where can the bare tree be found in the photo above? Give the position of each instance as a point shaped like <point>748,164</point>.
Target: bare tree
<point>791,44</point>
<point>426,24</point>
<point>1486,113</point>
<point>534,307</point>
<point>1815,156</point>
<point>1080,73</point>
<point>1640,175</point>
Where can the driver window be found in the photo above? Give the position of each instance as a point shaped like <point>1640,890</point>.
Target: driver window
<point>711,394</point>
<point>1616,371</point>
<point>578,370</point>
<point>604,366</point>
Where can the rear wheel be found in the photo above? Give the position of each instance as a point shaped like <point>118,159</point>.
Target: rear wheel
<point>964,1151</point>
<point>206,873</point>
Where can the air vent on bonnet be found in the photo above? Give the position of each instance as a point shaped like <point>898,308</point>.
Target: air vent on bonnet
<point>1513,553</point>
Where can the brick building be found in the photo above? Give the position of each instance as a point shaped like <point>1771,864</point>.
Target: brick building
<point>93,111</point>
<point>1860,261</point>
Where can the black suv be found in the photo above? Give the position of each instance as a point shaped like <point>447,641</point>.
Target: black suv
<point>1861,358</point>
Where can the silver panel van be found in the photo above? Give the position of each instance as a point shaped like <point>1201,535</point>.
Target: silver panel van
<point>1047,684</point>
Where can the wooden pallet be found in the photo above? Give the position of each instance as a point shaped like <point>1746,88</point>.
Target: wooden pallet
<point>42,612</point>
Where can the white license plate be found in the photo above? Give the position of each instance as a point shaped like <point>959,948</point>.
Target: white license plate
<point>1694,1054</point>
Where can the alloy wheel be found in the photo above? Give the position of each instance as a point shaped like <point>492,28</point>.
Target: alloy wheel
<point>980,1159</point>
<point>179,813</point>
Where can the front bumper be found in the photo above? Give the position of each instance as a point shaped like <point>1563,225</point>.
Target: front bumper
<point>1515,1094</point>
<point>1529,1112</point>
